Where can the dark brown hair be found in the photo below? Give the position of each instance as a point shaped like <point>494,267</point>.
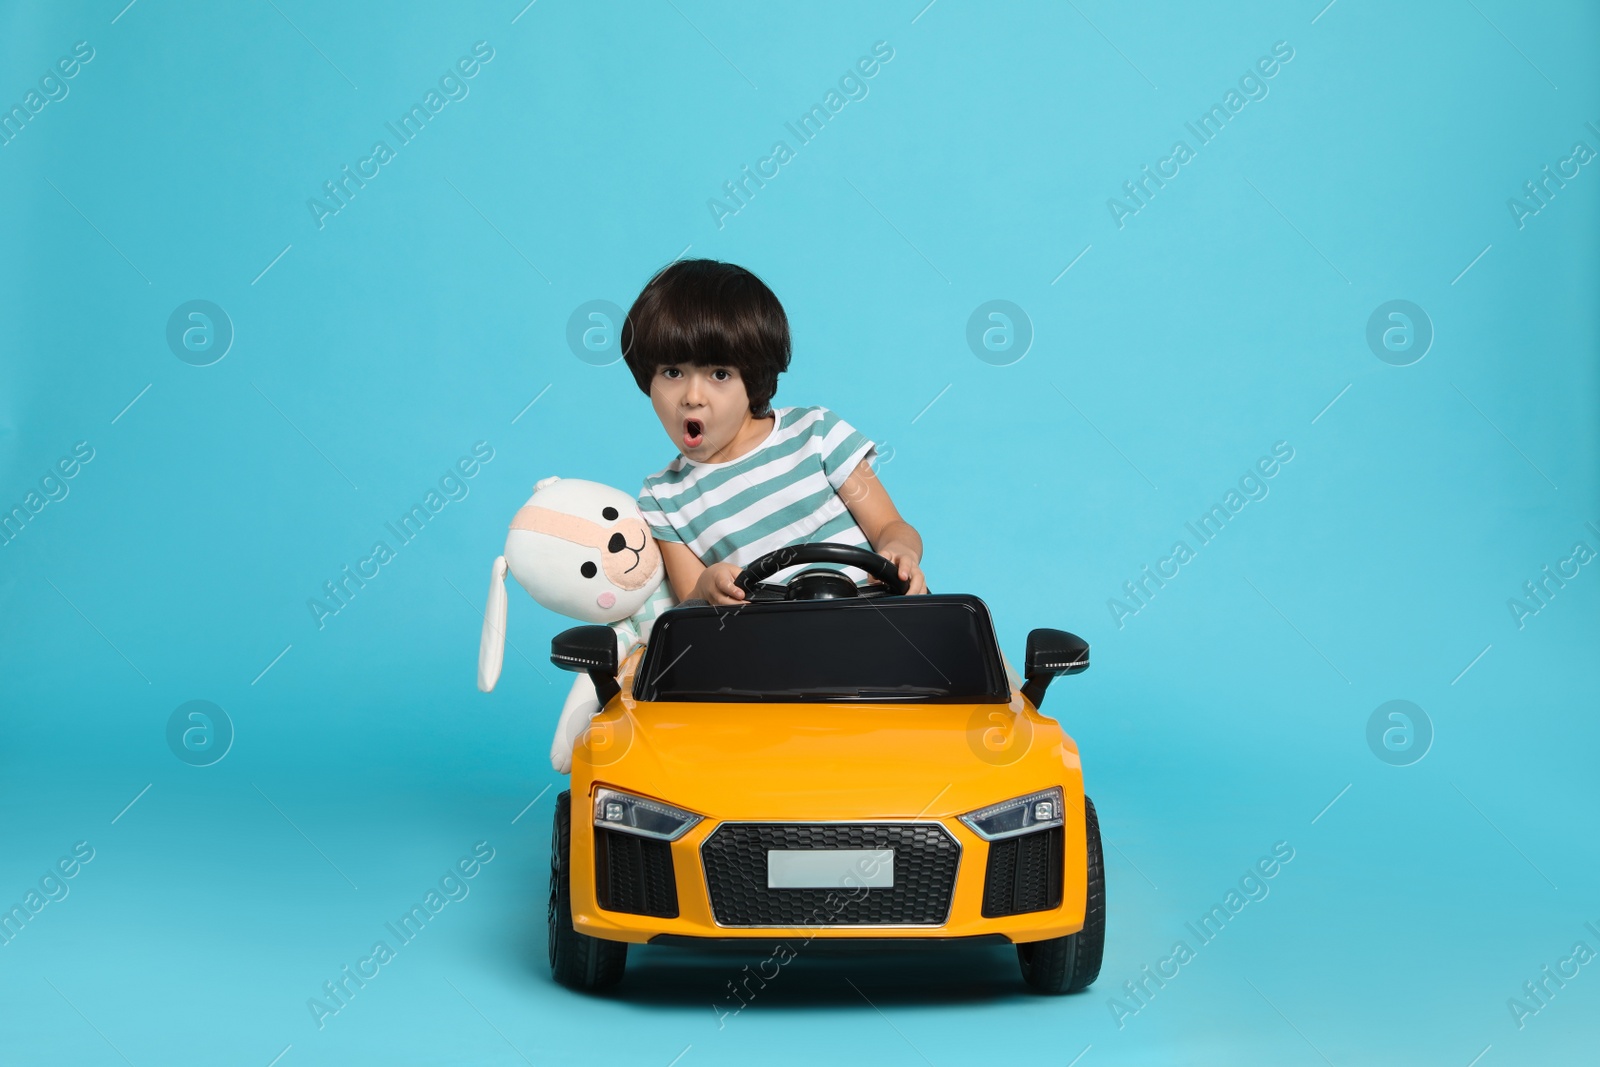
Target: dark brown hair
<point>703,312</point>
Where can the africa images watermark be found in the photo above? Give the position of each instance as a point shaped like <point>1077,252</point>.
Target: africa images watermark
<point>1205,128</point>
<point>853,85</point>
<point>53,888</point>
<point>1540,193</point>
<point>453,888</point>
<point>1252,888</point>
<point>821,915</point>
<point>453,486</point>
<point>53,486</point>
<point>1538,993</point>
<point>53,88</point>
<point>1538,593</point>
<point>452,87</point>
<point>1252,486</point>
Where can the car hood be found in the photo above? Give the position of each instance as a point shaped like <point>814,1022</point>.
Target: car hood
<point>827,761</point>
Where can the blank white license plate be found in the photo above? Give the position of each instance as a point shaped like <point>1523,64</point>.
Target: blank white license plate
<point>830,868</point>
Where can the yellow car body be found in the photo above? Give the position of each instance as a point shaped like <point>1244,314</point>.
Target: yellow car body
<point>809,763</point>
<point>833,766</point>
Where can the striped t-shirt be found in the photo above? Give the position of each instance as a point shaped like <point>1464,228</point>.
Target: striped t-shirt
<point>635,629</point>
<point>783,492</point>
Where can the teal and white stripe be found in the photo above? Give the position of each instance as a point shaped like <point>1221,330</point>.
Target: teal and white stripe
<point>783,492</point>
<point>636,627</point>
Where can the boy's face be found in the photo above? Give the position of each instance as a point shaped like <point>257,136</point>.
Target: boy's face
<point>703,409</point>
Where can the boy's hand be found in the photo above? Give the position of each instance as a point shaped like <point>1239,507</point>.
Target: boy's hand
<point>716,585</point>
<point>890,536</point>
<point>908,562</point>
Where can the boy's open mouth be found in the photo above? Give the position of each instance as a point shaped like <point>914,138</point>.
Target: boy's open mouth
<point>693,433</point>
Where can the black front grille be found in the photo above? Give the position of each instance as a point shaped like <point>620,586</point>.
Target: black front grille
<point>1024,874</point>
<point>925,860</point>
<point>634,874</point>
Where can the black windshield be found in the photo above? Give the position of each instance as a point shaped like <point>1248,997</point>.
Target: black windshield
<point>921,649</point>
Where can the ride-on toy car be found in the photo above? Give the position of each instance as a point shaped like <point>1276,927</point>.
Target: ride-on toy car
<point>823,761</point>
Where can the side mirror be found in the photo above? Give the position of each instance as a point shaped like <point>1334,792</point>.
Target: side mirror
<point>592,649</point>
<point>1051,653</point>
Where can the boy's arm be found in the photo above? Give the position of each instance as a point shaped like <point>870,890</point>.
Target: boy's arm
<point>683,567</point>
<point>690,579</point>
<point>890,536</point>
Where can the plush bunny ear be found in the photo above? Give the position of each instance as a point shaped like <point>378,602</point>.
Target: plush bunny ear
<point>492,646</point>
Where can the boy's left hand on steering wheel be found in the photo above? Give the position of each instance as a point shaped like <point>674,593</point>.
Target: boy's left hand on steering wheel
<point>908,564</point>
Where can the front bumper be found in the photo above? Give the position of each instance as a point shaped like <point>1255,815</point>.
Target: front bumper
<point>709,886</point>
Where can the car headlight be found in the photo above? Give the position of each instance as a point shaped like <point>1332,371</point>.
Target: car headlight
<point>1020,815</point>
<point>636,815</point>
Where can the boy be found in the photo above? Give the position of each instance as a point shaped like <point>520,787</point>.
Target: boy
<point>706,342</point>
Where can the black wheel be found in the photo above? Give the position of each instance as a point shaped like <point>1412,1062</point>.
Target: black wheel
<point>1068,964</point>
<point>576,960</point>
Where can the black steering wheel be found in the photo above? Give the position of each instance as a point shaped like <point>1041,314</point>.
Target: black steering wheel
<point>818,585</point>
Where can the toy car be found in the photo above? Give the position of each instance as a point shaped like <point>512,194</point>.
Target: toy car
<point>823,761</point>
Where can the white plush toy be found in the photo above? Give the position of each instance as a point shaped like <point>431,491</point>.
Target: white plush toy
<point>581,549</point>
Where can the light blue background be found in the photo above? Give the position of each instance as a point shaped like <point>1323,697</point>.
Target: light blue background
<point>1225,316</point>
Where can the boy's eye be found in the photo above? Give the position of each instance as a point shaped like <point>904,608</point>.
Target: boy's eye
<point>721,375</point>
<point>671,372</point>
<point>589,570</point>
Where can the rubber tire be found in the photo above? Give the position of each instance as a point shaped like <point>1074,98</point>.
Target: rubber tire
<point>577,960</point>
<point>1072,963</point>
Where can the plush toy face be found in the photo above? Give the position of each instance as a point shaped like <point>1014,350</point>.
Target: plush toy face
<point>582,550</point>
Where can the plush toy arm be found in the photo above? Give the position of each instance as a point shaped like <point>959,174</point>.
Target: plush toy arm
<point>492,645</point>
<point>581,706</point>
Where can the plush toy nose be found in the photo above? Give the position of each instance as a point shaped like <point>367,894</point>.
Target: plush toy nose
<point>606,600</point>
<point>631,559</point>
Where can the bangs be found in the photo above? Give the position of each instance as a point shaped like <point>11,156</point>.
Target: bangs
<point>703,313</point>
